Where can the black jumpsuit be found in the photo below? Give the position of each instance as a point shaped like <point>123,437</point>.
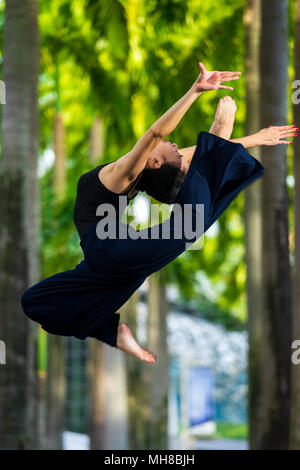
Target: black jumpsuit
<point>83,301</point>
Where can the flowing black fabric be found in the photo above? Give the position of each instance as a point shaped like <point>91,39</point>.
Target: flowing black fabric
<point>82,302</point>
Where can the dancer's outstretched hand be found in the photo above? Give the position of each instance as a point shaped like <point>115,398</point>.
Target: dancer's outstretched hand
<point>212,80</point>
<point>273,134</point>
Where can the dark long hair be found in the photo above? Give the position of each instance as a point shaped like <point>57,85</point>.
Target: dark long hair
<point>163,183</point>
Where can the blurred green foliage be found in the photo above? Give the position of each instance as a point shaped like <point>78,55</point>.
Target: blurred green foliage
<point>232,431</point>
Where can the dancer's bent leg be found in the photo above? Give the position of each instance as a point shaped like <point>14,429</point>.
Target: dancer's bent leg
<point>222,125</point>
<point>73,303</point>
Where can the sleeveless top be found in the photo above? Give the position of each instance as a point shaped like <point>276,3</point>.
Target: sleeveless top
<point>90,193</point>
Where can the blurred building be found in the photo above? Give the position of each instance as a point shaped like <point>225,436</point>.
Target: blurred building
<point>207,374</point>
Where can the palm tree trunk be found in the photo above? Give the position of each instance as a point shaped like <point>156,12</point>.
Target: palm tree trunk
<point>295,398</point>
<point>19,265</point>
<point>60,156</point>
<point>253,223</point>
<point>55,391</point>
<point>138,409</point>
<point>56,374</point>
<point>157,374</point>
<point>108,418</point>
<point>59,143</point>
<point>96,418</point>
<point>277,292</point>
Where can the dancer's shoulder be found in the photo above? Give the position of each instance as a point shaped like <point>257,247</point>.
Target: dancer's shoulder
<point>89,176</point>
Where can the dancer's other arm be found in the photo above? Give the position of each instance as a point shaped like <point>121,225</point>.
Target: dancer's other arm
<point>117,175</point>
<point>268,136</point>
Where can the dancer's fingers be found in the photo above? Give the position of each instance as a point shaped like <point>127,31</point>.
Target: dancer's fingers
<point>227,73</point>
<point>284,127</point>
<point>284,142</point>
<point>225,87</point>
<point>228,79</point>
<point>288,133</point>
<point>287,129</point>
<point>287,136</point>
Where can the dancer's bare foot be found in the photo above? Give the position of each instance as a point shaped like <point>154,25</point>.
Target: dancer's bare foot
<point>127,343</point>
<point>224,118</point>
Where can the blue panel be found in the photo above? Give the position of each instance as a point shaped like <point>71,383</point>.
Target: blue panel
<point>200,395</point>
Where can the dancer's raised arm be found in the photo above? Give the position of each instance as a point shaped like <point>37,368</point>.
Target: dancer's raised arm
<point>117,175</point>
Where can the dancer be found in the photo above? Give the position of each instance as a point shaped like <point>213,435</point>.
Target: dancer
<point>84,301</point>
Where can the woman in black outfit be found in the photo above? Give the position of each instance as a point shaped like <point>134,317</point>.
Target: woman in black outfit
<point>83,301</point>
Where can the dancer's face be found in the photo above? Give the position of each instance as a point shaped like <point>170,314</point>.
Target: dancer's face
<point>165,152</point>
